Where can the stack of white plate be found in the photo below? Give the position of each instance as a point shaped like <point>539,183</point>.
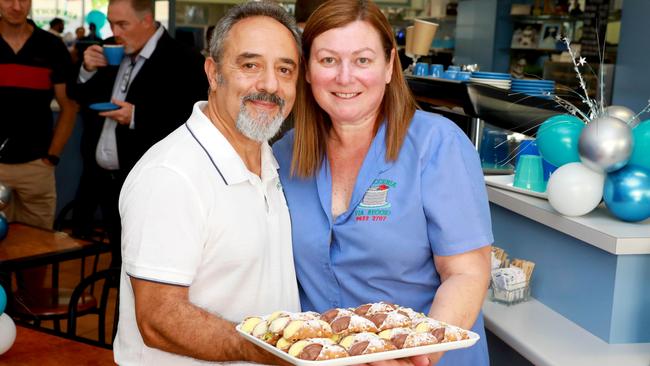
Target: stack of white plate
<point>495,79</point>
<point>537,88</point>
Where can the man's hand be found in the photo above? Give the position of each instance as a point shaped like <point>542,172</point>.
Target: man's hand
<point>122,115</point>
<point>94,58</point>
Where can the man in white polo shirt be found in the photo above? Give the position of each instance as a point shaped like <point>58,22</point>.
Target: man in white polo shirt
<point>206,234</point>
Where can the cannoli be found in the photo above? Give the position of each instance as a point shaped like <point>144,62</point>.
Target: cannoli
<point>393,319</point>
<point>249,324</point>
<point>441,330</point>
<point>365,343</point>
<point>344,322</point>
<point>378,307</point>
<point>303,329</point>
<point>407,338</point>
<point>317,349</point>
<point>412,314</point>
<point>332,314</point>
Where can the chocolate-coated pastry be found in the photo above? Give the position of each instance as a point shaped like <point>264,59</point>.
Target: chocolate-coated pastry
<point>303,329</point>
<point>393,319</point>
<point>365,343</point>
<point>441,330</point>
<point>354,323</point>
<point>332,314</point>
<point>413,339</point>
<point>317,349</point>
<point>374,308</point>
<point>412,314</point>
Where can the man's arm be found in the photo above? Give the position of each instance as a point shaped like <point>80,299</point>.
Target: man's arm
<point>464,282</point>
<point>168,321</point>
<point>65,122</point>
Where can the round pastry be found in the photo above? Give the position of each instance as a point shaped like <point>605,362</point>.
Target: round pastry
<point>374,308</point>
<point>317,349</point>
<point>365,343</point>
<point>303,329</point>
<point>393,319</point>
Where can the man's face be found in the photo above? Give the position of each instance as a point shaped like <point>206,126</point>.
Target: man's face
<point>255,85</point>
<point>128,28</point>
<point>15,12</point>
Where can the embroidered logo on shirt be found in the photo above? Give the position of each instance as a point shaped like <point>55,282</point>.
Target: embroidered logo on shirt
<point>375,206</point>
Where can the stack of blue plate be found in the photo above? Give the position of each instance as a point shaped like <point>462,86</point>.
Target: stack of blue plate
<point>537,88</point>
<point>495,79</point>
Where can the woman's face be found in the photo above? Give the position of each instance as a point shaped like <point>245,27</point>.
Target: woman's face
<point>348,72</point>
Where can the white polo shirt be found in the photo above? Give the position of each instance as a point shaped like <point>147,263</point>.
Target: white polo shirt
<point>194,215</point>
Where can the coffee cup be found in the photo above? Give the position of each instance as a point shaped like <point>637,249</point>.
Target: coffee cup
<point>529,173</point>
<point>114,53</point>
<point>423,34</point>
<point>421,69</point>
<point>436,70</point>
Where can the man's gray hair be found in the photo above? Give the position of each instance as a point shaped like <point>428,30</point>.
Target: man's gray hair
<point>247,10</point>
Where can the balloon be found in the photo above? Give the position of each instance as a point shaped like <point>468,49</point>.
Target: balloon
<point>4,226</point>
<point>7,333</point>
<point>97,17</point>
<point>5,195</point>
<point>605,144</point>
<point>641,150</point>
<point>574,189</point>
<point>625,114</point>
<point>3,300</point>
<point>557,139</point>
<point>627,193</point>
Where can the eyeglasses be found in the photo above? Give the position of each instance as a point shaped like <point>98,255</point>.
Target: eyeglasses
<point>126,79</point>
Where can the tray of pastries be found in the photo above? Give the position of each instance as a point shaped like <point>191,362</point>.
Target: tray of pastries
<point>339,337</point>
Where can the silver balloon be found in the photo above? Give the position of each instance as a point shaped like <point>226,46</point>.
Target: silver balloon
<point>5,194</point>
<point>605,144</point>
<point>625,114</point>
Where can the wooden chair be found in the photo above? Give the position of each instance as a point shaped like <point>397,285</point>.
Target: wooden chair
<point>111,281</point>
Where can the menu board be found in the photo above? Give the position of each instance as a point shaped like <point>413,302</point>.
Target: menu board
<point>595,25</point>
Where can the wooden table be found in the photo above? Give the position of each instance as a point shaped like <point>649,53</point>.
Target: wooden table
<point>33,347</point>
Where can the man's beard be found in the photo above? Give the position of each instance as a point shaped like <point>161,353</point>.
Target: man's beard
<point>264,126</point>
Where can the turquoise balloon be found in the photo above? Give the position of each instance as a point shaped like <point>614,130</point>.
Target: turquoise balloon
<point>3,300</point>
<point>557,139</point>
<point>641,151</point>
<point>97,17</point>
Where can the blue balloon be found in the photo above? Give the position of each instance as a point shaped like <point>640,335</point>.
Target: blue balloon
<point>627,193</point>
<point>3,300</point>
<point>557,139</point>
<point>4,226</point>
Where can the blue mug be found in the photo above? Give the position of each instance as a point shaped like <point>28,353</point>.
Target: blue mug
<point>453,68</point>
<point>450,74</point>
<point>494,149</point>
<point>463,75</point>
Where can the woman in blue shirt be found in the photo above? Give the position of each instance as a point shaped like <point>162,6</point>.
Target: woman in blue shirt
<point>387,203</point>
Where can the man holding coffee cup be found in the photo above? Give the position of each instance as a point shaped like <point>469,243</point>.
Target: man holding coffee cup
<point>144,112</point>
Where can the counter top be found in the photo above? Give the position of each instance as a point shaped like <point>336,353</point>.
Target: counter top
<point>597,228</point>
<point>545,337</point>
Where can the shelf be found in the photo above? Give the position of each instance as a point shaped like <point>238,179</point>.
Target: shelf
<point>537,49</point>
<point>545,337</point>
<point>545,18</point>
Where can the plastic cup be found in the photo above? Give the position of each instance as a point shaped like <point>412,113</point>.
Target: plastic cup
<point>114,53</point>
<point>529,173</point>
<point>450,74</point>
<point>436,70</point>
<point>423,34</point>
<point>463,75</point>
<point>421,69</point>
<point>494,148</point>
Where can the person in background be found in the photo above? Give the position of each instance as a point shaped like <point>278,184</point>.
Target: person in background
<point>56,27</point>
<point>34,68</point>
<point>207,236</point>
<point>387,203</point>
<point>154,88</point>
<point>304,8</point>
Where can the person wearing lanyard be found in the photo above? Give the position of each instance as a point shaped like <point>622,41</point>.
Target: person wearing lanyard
<point>154,87</point>
<point>207,235</point>
<point>387,203</point>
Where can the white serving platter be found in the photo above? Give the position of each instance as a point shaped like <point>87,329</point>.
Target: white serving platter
<point>355,360</point>
<point>505,182</point>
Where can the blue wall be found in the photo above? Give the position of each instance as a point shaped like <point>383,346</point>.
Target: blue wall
<point>632,75</point>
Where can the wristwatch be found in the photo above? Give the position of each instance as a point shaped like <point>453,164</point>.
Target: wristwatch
<point>53,159</point>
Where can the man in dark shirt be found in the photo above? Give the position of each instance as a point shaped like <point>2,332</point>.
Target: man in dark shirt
<point>34,67</point>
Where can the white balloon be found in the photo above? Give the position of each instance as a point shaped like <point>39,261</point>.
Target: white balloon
<point>575,190</point>
<point>7,333</point>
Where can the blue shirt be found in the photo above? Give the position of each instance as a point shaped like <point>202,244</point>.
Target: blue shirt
<point>430,201</point>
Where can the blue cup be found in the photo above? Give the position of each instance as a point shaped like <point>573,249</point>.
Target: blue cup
<point>453,68</point>
<point>114,53</point>
<point>494,149</point>
<point>436,70</point>
<point>463,75</point>
<point>529,173</point>
<point>421,69</point>
<point>529,147</point>
<point>450,74</point>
